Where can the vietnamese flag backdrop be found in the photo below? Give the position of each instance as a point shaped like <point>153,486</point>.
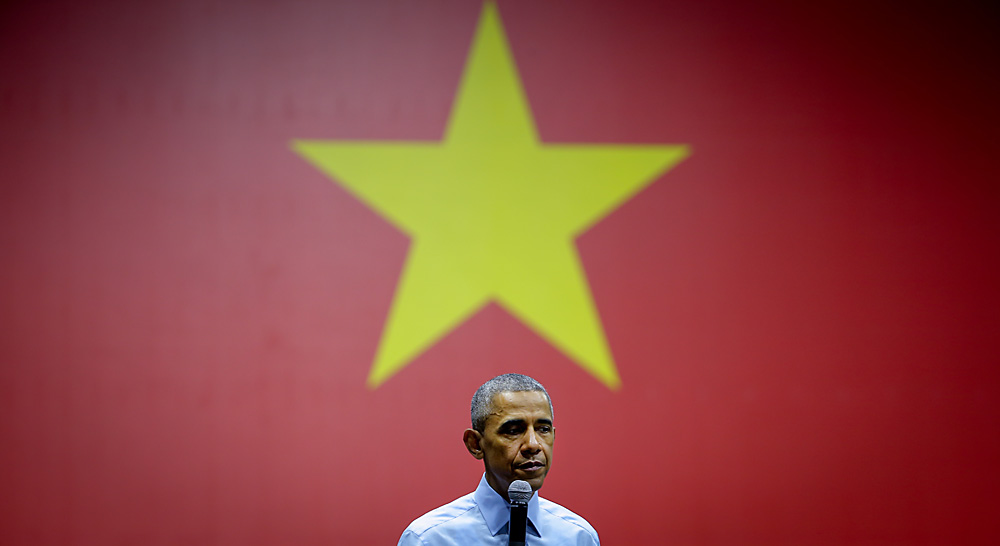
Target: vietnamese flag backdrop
<point>803,312</point>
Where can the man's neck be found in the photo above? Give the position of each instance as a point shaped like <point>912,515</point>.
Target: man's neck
<point>496,486</point>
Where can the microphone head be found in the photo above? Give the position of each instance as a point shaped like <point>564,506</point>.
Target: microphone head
<point>519,492</point>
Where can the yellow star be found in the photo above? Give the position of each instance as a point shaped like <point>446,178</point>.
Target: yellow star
<point>492,214</point>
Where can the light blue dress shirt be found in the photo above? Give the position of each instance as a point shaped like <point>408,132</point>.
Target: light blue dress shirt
<point>481,517</point>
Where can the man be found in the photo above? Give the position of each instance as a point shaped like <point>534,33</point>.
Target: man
<point>512,433</point>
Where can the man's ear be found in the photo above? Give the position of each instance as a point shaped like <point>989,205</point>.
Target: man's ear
<point>473,442</point>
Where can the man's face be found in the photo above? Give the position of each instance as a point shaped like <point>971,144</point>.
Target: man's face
<point>516,442</point>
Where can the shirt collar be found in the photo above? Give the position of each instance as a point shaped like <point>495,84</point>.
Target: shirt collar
<point>496,510</point>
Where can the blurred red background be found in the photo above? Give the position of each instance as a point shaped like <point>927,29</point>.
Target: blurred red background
<point>804,313</point>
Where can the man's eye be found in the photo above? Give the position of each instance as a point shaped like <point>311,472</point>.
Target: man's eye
<point>544,429</point>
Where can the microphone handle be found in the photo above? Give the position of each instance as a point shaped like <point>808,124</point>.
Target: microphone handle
<point>518,524</point>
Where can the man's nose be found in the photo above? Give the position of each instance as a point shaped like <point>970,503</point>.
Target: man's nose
<point>531,442</point>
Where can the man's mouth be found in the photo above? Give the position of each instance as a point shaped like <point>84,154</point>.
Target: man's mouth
<point>531,466</point>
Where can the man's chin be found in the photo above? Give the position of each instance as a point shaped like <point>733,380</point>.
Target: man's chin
<point>535,481</point>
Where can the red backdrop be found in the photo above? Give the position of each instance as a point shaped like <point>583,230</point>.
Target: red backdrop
<point>803,313</point>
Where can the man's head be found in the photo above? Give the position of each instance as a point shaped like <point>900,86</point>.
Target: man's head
<point>512,431</point>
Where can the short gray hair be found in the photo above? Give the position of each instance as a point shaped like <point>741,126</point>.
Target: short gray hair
<point>482,401</point>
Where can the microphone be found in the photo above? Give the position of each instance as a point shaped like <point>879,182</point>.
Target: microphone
<point>519,493</point>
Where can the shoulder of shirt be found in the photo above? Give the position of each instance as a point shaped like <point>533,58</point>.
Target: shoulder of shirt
<point>442,515</point>
<point>566,516</point>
